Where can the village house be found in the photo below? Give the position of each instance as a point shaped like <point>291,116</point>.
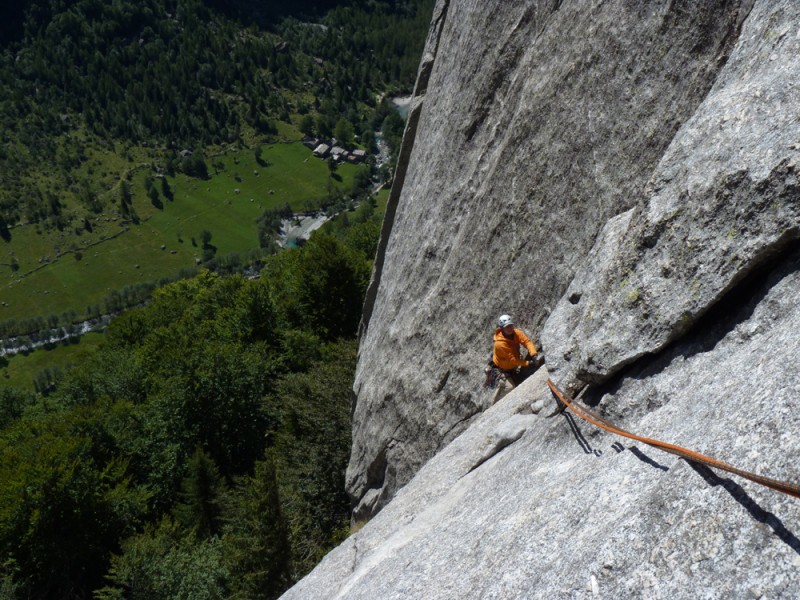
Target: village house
<point>357,156</point>
<point>322,150</point>
<point>331,148</point>
<point>338,153</point>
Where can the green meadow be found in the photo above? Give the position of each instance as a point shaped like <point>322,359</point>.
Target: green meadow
<point>74,269</point>
<point>231,223</point>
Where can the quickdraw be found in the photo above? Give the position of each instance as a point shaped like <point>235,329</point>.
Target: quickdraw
<point>587,415</point>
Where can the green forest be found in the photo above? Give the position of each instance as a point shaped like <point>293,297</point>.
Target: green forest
<point>197,448</point>
<point>112,112</point>
<point>175,75</point>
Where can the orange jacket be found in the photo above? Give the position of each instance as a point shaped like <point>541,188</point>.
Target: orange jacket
<point>506,350</point>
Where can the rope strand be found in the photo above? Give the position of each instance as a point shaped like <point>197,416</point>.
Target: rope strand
<point>587,415</point>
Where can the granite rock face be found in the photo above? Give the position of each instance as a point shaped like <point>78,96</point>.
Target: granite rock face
<point>534,123</point>
<point>722,205</point>
<point>543,506</point>
<point>622,178</point>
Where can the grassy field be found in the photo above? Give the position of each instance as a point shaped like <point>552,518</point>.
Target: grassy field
<point>71,270</point>
<point>74,269</point>
<point>20,370</point>
<point>382,198</point>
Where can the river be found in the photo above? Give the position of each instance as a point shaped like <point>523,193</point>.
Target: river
<point>12,346</point>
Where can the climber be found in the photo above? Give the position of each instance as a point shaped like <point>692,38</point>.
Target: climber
<point>507,369</point>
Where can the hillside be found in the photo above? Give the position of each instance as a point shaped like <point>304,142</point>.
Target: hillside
<point>622,179</point>
<point>197,447</point>
<point>130,127</point>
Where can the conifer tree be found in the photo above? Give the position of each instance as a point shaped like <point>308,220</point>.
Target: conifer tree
<point>199,508</point>
<point>257,537</point>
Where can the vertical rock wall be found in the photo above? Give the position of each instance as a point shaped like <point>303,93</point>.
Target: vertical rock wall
<point>539,122</point>
<point>722,206</point>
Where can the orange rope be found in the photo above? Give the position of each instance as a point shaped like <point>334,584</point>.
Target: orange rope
<point>776,484</point>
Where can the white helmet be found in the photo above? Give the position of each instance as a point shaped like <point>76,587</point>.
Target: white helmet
<point>505,320</point>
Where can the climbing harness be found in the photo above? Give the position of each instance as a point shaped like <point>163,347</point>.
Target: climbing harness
<point>587,415</point>
<point>493,375</point>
